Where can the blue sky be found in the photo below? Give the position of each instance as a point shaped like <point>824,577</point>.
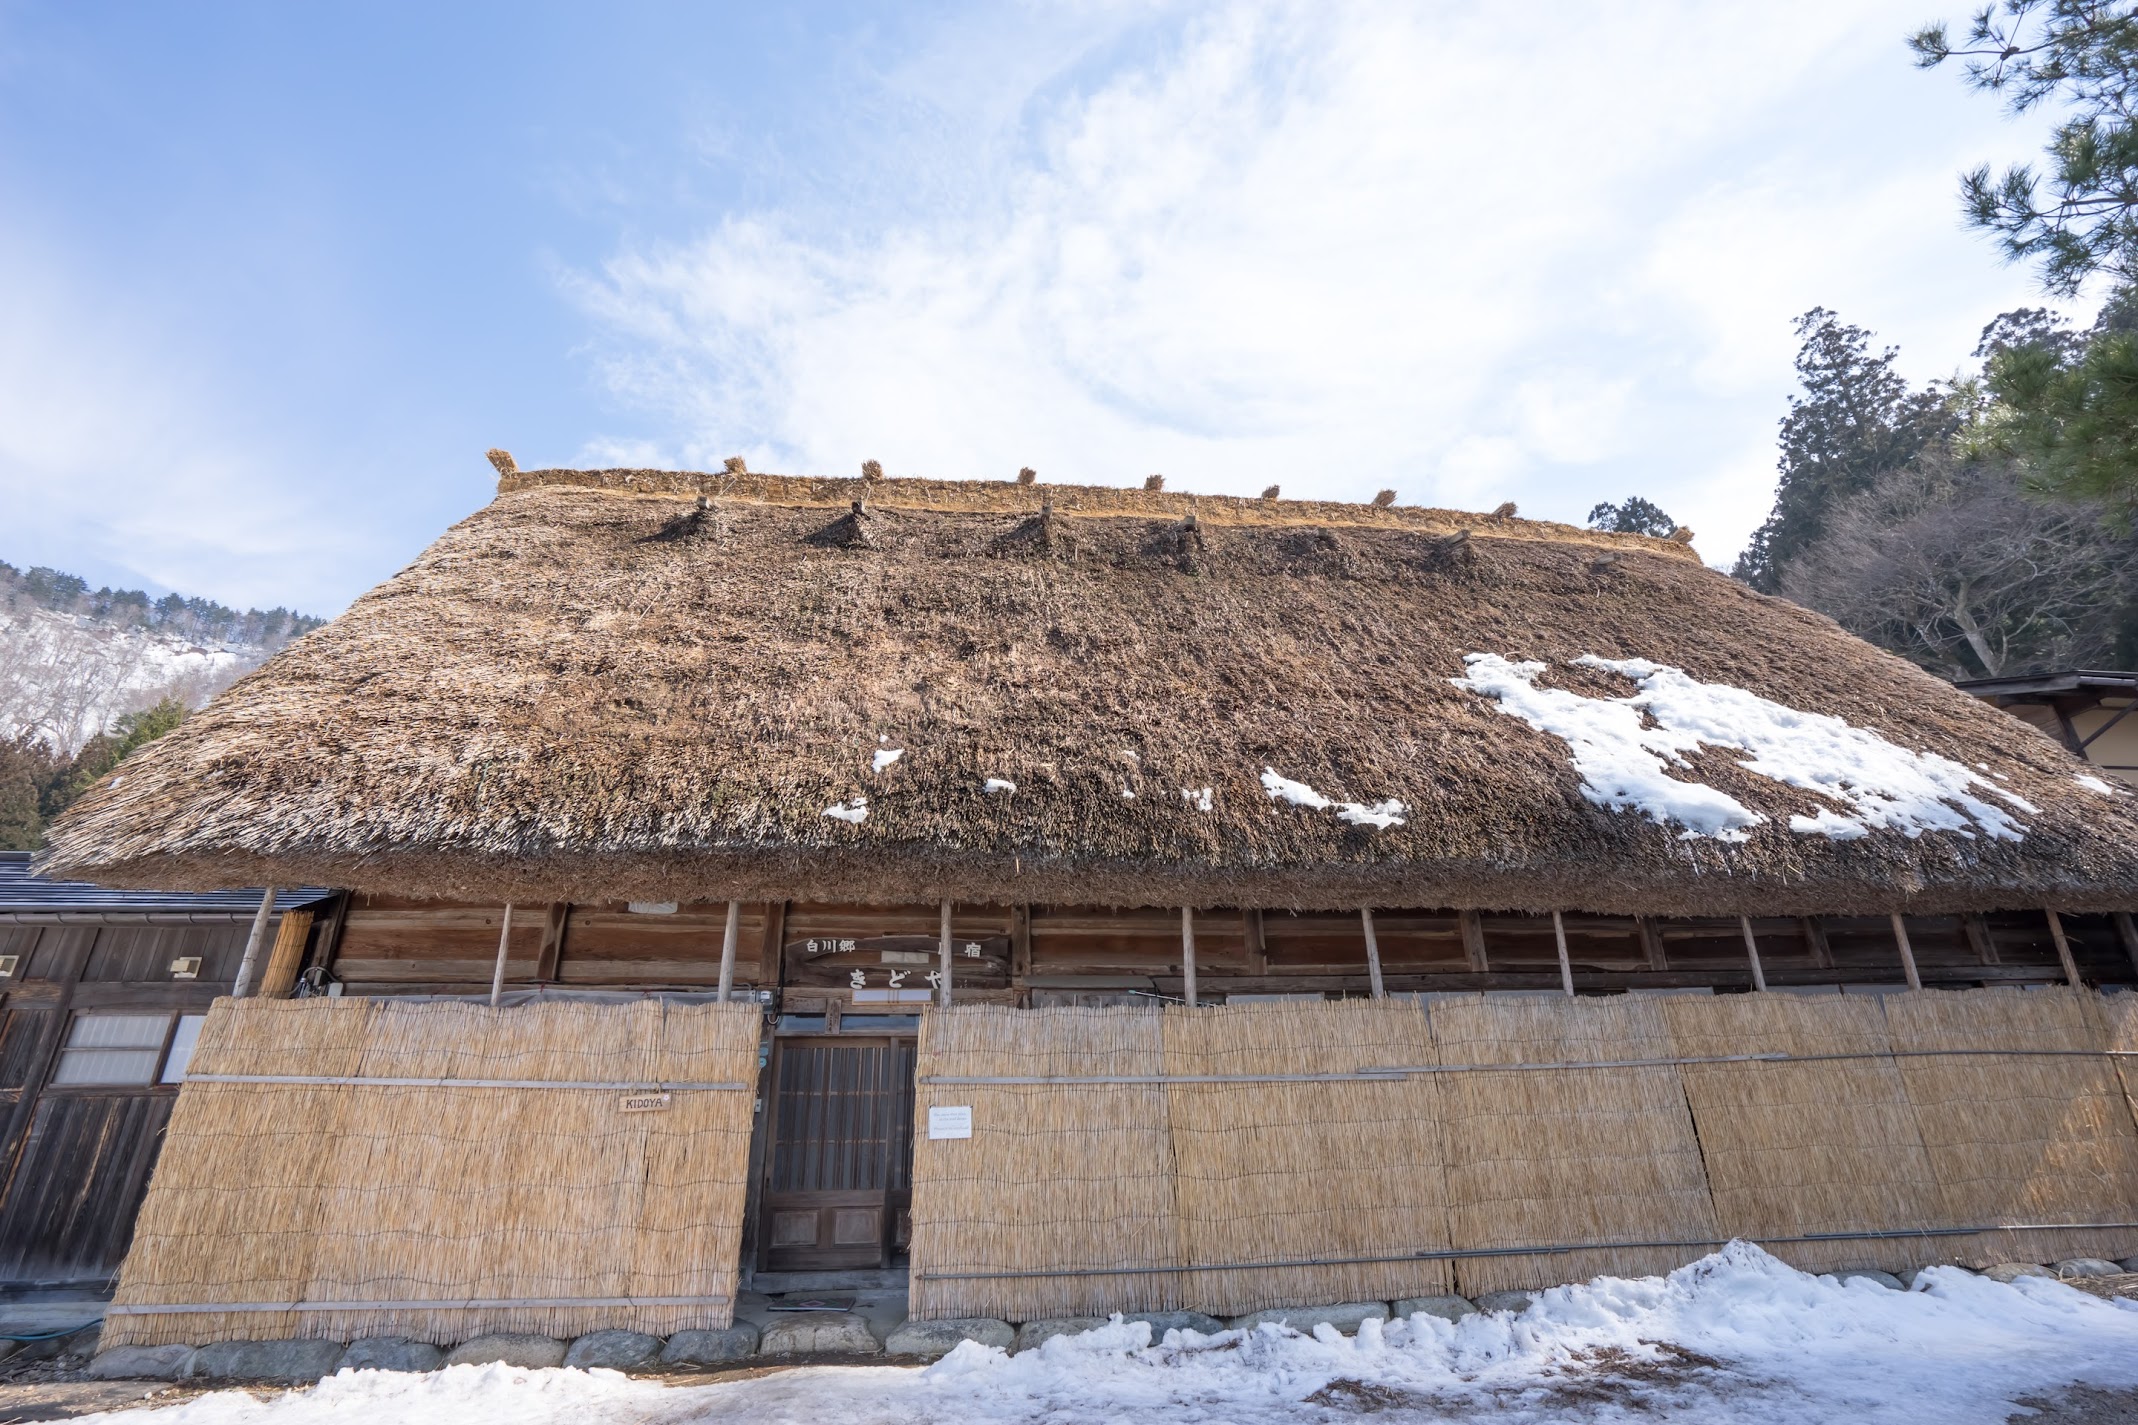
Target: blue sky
<point>272,277</point>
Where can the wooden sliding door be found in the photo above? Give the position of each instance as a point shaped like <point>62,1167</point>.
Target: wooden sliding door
<point>838,1179</point>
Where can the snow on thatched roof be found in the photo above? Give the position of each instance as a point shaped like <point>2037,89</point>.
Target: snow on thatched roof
<point>650,685</point>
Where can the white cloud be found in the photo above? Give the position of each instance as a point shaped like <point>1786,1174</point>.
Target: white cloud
<point>1474,256</point>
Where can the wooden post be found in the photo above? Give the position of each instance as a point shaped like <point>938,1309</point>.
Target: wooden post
<point>1473,940</point>
<point>1651,943</point>
<point>504,943</point>
<point>727,950</point>
<point>253,942</point>
<point>1907,952</point>
<point>1759,976</point>
<point>552,952</point>
<point>2063,948</point>
<point>1258,944</point>
<point>1373,954</point>
<point>1822,949</point>
<point>2129,935</point>
<point>942,990</point>
<point>1020,944</point>
<point>1187,952</point>
<point>1978,936</point>
<point>1566,966</point>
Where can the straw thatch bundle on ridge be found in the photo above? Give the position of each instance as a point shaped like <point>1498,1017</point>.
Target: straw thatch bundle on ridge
<point>554,1209</point>
<point>556,704</point>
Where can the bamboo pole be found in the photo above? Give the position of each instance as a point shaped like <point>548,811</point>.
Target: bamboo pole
<point>1373,953</point>
<point>1907,952</point>
<point>1187,952</point>
<point>253,942</point>
<point>281,974</point>
<point>2063,948</point>
<point>504,942</point>
<point>942,989</point>
<point>1759,976</point>
<point>1566,965</point>
<point>727,951</point>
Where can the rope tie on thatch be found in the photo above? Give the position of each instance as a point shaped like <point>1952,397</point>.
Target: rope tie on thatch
<point>1437,1254</point>
<point>1387,1075</point>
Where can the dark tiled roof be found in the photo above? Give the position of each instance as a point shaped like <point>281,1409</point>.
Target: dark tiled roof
<point>21,891</point>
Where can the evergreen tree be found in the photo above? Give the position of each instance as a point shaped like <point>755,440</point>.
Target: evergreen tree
<point>1856,421</point>
<point>1635,516</point>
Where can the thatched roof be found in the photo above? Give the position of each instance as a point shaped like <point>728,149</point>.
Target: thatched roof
<point>595,689</point>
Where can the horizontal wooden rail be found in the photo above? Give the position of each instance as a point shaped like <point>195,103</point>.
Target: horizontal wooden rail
<point>489,1303</point>
<point>621,1086</point>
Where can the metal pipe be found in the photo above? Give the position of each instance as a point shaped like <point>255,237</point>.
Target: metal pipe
<point>253,942</point>
<point>1566,964</point>
<point>1907,952</point>
<point>1759,976</point>
<point>1187,953</point>
<point>504,942</point>
<point>1373,953</point>
<point>727,950</point>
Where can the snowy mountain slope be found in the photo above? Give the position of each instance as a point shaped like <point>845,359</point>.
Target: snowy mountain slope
<point>65,677</point>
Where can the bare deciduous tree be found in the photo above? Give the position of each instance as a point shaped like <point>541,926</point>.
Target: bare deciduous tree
<point>1949,564</point>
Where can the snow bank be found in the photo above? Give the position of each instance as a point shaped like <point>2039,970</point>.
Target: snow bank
<point>1625,749</point>
<point>1737,1336</point>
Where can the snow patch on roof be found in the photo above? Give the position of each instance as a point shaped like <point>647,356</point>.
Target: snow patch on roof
<point>1199,798</point>
<point>1625,763</point>
<point>853,811</point>
<point>1382,814</point>
<point>885,756</point>
<point>999,784</point>
<point>2089,782</point>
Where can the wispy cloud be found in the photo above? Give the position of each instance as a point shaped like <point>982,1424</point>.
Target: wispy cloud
<point>1475,256</point>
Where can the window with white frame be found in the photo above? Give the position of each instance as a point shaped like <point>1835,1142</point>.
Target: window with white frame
<point>124,1047</point>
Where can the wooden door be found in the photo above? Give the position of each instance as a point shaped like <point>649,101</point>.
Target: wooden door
<point>838,1179</point>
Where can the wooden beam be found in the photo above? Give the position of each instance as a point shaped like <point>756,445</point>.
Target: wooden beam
<point>2063,948</point>
<point>2128,933</point>
<point>552,952</point>
<point>1187,954</point>
<point>772,945</point>
<point>728,935</point>
<point>1651,943</point>
<point>942,988</point>
<point>1566,965</point>
<point>1759,976</point>
<point>1907,952</point>
<point>1373,954</point>
<point>504,944</point>
<point>1980,939</point>
<point>1258,945</point>
<point>1473,940</point>
<point>1020,942</point>
<point>1822,949</point>
<point>328,941</point>
<point>253,942</point>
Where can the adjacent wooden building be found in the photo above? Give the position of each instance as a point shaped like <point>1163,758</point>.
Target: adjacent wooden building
<point>852,747</point>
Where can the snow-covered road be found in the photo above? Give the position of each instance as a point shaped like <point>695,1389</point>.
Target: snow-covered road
<point>1737,1336</point>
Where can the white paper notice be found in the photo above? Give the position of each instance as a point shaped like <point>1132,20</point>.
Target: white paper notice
<point>950,1122</point>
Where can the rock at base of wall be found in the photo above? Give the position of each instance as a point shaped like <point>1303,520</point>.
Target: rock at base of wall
<point>1514,1301</point>
<point>140,1363</point>
<point>2012,1271</point>
<point>391,1353</point>
<point>933,1339</point>
<point>614,1351</point>
<point>1034,1334</point>
<point>1345,1316</point>
<point>512,1348</point>
<point>2089,1267</point>
<point>2129,1264</point>
<point>285,1362</point>
<point>1164,1321</point>
<point>710,1348</point>
<point>820,1333</point>
<point>1871,1274</point>
<point>1447,1308</point>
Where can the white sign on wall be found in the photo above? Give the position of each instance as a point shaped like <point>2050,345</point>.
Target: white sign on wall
<point>950,1122</point>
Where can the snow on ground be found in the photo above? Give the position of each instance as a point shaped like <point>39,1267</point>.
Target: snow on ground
<point>1625,749</point>
<point>1735,1337</point>
<point>65,679</point>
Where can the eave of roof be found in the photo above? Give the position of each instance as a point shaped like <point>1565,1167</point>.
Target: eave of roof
<point>22,892</point>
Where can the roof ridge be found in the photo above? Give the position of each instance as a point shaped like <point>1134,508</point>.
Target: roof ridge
<point>1087,501</point>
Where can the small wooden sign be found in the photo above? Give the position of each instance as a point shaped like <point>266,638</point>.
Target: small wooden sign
<point>643,1103</point>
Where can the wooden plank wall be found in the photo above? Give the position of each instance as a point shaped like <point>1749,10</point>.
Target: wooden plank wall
<point>401,946</point>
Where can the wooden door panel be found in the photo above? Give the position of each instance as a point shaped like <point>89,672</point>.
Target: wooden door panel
<point>839,1168</point>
